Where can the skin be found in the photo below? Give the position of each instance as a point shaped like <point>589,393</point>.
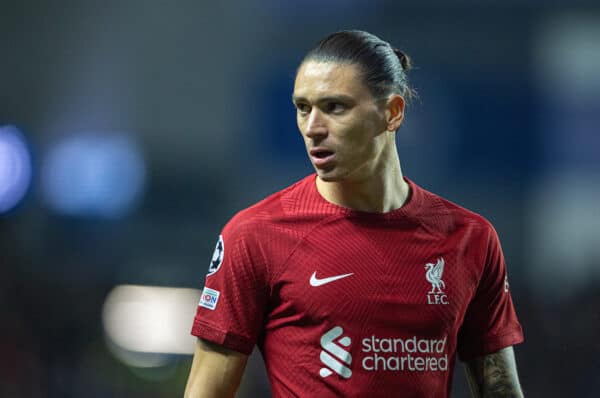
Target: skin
<point>494,375</point>
<point>216,371</point>
<point>338,113</point>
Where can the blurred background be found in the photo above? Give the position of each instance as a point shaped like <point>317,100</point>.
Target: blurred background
<point>131,131</point>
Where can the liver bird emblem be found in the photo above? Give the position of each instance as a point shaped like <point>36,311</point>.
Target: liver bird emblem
<point>434,275</point>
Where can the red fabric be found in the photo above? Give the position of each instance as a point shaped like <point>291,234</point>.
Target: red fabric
<point>383,329</point>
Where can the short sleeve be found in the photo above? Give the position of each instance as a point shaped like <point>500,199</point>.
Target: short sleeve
<point>490,322</point>
<point>232,305</point>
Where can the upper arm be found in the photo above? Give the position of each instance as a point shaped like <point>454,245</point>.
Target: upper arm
<point>490,322</point>
<point>494,375</point>
<point>216,371</point>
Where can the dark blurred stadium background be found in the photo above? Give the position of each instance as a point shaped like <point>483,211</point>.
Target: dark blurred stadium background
<point>131,131</point>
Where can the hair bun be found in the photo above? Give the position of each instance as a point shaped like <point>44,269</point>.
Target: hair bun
<point>404,59</point>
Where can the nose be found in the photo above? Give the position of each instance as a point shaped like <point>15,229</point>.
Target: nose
<point>315,125</point>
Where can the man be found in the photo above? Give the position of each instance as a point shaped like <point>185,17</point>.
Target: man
<point>355,281</point>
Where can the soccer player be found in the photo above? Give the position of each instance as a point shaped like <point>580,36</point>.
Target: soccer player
<point>355,281</point>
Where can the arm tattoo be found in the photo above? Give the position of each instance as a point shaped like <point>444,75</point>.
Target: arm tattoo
<point>494,375</point>
<point>499,377</point>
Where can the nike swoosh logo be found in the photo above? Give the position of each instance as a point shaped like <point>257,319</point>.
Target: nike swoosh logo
<point>314,281</point>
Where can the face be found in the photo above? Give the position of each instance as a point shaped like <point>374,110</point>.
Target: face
<point>341,122</point>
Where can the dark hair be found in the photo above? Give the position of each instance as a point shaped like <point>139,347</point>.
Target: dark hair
<point>384,68</point>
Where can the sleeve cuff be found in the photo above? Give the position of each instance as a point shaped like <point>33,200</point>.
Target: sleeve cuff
<point>228,340</point>
<point>491,344</point>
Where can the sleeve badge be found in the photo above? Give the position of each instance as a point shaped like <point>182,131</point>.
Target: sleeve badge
<point>217,258</point>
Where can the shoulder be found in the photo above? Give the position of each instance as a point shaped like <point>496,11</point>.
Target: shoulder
<point>448,216</point>
<point>266,231</point>
<point>268,212</point>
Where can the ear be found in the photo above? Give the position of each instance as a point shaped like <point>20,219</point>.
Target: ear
<point>394,112</point>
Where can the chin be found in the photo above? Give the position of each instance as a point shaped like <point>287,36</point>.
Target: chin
<point>330,175</point>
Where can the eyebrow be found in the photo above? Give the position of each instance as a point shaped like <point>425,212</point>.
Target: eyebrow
<point>329,98</point>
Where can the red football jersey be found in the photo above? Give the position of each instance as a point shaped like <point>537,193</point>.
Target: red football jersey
<point>348,303</point>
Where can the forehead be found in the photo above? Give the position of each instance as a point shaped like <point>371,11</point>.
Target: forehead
<point>323,79</point>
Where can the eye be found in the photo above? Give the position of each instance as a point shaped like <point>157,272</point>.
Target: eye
<point>303,109</point>
<point>335,108</point>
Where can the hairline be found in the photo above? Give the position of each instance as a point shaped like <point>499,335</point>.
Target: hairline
<point>327,59</point>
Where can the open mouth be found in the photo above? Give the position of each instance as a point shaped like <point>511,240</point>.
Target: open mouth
<point>322,154</point>
<point>322,158</point>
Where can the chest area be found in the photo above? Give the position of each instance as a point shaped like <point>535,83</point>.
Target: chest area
<point>392,277</point>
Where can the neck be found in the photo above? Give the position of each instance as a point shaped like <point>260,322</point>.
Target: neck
<point>380,190</point>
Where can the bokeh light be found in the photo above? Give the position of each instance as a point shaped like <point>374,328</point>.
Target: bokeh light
<point>94,175</point>
<point>15,167</point>
<point>142,322</point>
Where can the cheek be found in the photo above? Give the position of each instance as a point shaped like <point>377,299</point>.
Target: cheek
<point>356,146</point>
<point>363,141</point>
<point>362,134</point>
<point>373,125</point>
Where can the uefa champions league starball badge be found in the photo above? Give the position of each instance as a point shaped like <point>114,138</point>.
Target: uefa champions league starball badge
<point>217,258</point>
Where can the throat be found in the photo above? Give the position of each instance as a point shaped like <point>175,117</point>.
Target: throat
<point>369,196</point>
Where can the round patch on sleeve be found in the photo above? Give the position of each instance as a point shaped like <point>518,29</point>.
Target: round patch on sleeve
<point>217,258</point>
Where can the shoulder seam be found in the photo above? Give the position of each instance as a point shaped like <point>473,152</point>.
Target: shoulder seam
<point>300,240</point>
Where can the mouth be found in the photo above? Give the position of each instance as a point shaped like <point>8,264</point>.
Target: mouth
<point>321,157</point>
<point>320,153</point>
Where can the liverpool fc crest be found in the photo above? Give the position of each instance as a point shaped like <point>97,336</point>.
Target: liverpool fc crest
<point>433,275</point>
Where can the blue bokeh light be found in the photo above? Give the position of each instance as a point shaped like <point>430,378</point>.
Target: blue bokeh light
<point>93,175</point>
<point>15,167</point>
